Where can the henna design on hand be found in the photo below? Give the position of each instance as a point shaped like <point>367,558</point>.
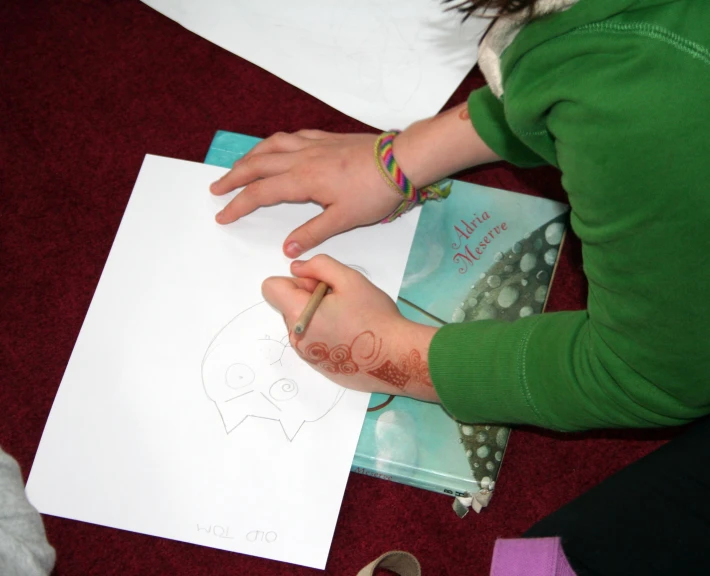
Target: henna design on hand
<point>343,359</point>
<point>362,355</point>
<point>335,361</point>
<point>391,374</point>
<point>415,367</point>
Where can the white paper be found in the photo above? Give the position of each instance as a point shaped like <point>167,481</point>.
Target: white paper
<point>386,63</point>
<point>143,435</point>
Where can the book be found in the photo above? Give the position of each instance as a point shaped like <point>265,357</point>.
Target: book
<point>482,253</point>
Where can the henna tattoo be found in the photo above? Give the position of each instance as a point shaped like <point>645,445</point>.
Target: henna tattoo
<point>362,355</point>
<point>390,373</point>
<point>334,361</point>
<point>415,367</point>
<point>408,369</point>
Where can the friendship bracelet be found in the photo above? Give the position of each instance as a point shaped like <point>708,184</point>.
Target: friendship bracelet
<point>396,179</point>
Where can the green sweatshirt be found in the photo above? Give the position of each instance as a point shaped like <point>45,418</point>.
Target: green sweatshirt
<point>616,94</point>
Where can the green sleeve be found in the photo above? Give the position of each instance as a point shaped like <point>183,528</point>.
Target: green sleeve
<point>551,371</point>
<point>488,118</point>
<point>633,149</point>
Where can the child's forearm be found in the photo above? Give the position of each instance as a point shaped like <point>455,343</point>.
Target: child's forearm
<point>432,149</point>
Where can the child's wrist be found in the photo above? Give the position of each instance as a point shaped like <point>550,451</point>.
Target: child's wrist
<point>412,353</point>
<point>397,180</point>
<point>420,150</point>
<point>405,150</point>
<point>437,147</point>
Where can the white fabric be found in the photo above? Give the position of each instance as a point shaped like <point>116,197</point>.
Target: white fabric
<point>24,550</point>
<point>502,34</point>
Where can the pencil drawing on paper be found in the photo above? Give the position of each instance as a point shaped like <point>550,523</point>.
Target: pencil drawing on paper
<point>251,370</point>
<point>360,269</point>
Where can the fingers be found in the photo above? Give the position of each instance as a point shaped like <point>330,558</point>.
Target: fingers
<point>314,232</point>
<point>288,295</point>
<point>278,142</point>
<point>267,192</point>
<point>316,134</point>
<point>259,161</point>
<point>326,269</point>
<point>307,284</point>
<point>252,168</point>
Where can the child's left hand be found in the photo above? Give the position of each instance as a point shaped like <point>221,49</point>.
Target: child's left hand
<point>357,337</point>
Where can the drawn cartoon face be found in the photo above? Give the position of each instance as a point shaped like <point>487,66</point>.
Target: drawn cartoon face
<point>250,369</point>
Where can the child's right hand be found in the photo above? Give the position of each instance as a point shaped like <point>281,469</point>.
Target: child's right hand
<point>337,171</point>
<point>357,337</point>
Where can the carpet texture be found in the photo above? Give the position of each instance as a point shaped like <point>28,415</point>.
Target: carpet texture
<point>88,88</point>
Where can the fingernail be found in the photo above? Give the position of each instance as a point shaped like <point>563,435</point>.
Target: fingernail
<point>293,249</point>
<point>213,185</point>
<point>219,216</point>
<point>297,263</point>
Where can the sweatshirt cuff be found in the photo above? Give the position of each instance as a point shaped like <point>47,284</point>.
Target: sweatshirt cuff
<point>478,371</point>
<point>488,118</point>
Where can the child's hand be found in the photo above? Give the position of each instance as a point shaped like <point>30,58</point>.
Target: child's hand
<point>357,337</point>
<point>337,171</point>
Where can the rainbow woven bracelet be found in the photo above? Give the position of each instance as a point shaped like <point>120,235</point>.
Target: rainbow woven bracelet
<point>396,179</point>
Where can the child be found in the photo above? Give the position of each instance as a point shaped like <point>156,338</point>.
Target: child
<point>616,95</point>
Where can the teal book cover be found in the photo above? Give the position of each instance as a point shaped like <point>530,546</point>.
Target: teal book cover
<point>482,253</point>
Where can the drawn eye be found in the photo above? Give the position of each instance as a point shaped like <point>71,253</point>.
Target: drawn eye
<point>238,376</point>
<point>283,389</point>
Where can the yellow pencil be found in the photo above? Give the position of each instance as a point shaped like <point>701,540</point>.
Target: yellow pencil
<point>310,308</point>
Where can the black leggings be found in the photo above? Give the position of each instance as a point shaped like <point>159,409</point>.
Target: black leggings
<point>651,518</point>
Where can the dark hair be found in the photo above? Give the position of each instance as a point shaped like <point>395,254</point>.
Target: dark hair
<point>498,7</point>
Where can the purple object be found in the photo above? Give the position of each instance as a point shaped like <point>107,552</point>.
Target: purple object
<point>530,557</point>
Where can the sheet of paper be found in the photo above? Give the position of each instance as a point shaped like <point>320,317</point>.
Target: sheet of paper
<point>182,413</point>
<point>386,63</point>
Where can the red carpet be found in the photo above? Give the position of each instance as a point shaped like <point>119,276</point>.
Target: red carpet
<point>88,88</point>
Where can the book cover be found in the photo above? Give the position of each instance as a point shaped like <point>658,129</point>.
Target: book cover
<point>483,253</point>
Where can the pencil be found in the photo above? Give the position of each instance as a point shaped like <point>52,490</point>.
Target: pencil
<point>310,308</point>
